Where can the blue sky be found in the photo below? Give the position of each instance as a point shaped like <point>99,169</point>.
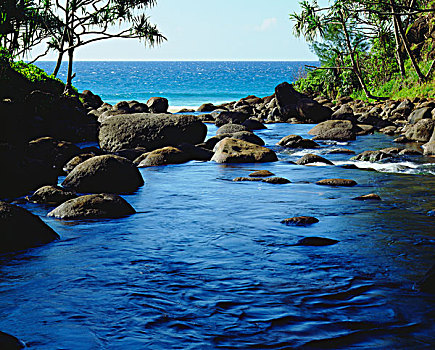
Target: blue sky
<point>212,30</point>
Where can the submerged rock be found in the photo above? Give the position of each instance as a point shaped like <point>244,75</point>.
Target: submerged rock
<point>276,180</point>
<point>104,174</point>
<point>312,158</point>
<point>300,221</point>
<point>93,206</point>
<point>368,197</point>
<point>261,173</point>
<point>231,150</point>
<point>20,229</point>
<point>9,342</point>
<point>316,241</point>
<point>337,182</point>
<point>240,179</point>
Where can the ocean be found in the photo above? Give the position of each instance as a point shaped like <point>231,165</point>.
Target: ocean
<point>206,263</point>
<point>182,83</point>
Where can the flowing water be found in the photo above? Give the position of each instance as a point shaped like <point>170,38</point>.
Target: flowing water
<point>206,263</point>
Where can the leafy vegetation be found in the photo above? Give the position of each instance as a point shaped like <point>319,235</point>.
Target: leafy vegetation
<point>369,49</point>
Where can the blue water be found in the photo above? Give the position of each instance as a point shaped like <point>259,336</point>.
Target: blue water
<point>206,264</point>
<point>182,83</point>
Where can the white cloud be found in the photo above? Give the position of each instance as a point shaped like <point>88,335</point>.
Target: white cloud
<point>266,25</point>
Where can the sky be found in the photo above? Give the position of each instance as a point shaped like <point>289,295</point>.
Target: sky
<point>211,30</point>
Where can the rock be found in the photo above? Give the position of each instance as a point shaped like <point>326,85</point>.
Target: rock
<point>421,131</point>
<point>104,174</point>
<point>401,139</point>
<point>429,148</point>
<point>286,99</point>
<point>52,195</point>
<point>372,156</point>
<point>164,156</point>
<point>52,152</point>
<point>150,131</point>
<point>345,112</point>
<point>316,241</point>
<point>9,342</point>
<point>312,158</point>
<point>231,150</point>
<point>196,152</point>
<point>206,107</point>
<point>300,221</point>
<point>336,134</point>
<point>253,124</point>
<point>230,118</point>
<point>310,110</point>
<point>91,100</point>
<point>336,126</point>
<point>365,129</point>
<point>337,182</point>
<point>296,141</point>
<point>240,179</point>
<point>276,180</point>
<point>231,128</point>
<point>427,283</point>
<point>130,154</point>
<point>93,206</point>
<point>76,161</point>
<point>261,173</point>
<point>20,229</point>
<point>137,107</point>
<point>158,105</point>
<point>419,114</point>
<point>368,197</point>
<point>404,108</point>
<point>410,152</point>
<point>375,121</point>
<point>340,151</point>
<point>389,130</point>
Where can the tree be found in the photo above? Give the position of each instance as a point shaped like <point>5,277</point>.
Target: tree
<point>24,24</point>
<point>87,21</point>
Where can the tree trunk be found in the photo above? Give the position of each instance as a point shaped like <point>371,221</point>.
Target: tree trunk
<point>399,57</point>
<point>421,77</point>
<point>58,63</point>
<point>355,65</point>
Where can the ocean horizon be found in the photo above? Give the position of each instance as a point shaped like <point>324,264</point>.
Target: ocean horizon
<point>183,83</point>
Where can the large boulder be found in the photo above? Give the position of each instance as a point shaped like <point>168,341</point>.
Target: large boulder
<point>240,135</point>
<point>253,124</point>
<point>286,99</point>
<point>107,173</point>
<point>20,229</point>
<point>312,158</point>
<point>421,131</point>
<point>338,130</point>
<point>158,105</point>
<point>231,150</point>
<point>9,342</point>
<point>312,111</point>
<point>93,206</point>
<point>150,131</point>
<point>206,107</point>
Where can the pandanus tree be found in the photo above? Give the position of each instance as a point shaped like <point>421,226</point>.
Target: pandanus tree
<point>86,21</point>
<point>24,24</point>
<point>344,17</point>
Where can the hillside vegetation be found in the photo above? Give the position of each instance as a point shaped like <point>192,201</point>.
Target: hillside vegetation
<point>370,50</point>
